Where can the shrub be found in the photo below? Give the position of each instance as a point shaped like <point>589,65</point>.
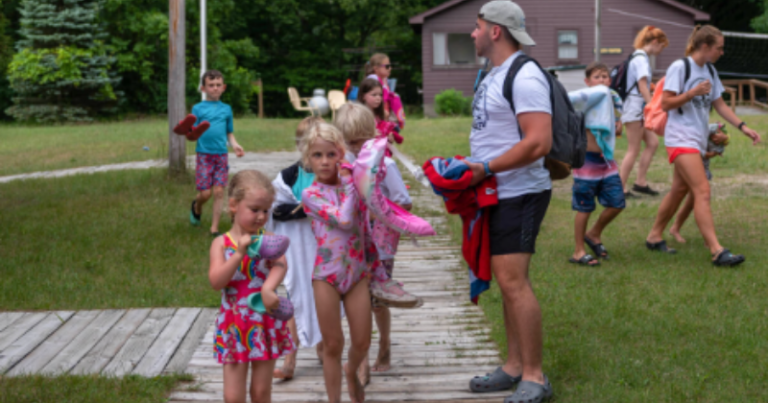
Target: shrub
<point>453,103</point>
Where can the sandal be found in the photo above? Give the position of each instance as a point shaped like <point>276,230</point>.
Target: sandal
<point>198,131</point>
<point>497,381</point>
<point>660,247</point>
<point>585,260</point>
<point>727,259</point>
<point>531,392</point>
<point>598,248</point>
<point>185,125</point>
<point>390,293</point>
<point>644,189</point>
<point>194,218</point>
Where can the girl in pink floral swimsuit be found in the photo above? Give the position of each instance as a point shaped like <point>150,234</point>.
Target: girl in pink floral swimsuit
<point>346,257</point>
<point>244,337</point>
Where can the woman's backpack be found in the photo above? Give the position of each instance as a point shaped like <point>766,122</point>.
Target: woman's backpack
<point>619,77</point>
<point>569,133</point>
<point>655,117</point>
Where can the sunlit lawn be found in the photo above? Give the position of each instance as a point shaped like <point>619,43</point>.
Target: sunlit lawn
<point>642,327</point>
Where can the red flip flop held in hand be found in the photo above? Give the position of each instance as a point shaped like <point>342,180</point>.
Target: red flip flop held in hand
<point>185,125</point>
<point>198,131</point>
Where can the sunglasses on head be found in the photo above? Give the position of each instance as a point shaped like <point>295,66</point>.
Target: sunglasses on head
<point>386,66</point>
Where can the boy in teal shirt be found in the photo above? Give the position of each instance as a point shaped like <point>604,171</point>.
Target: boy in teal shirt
<point>212,167</point>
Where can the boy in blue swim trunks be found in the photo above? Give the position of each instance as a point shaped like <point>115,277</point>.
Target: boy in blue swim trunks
<point>598,178</point>
<point>212,166</point>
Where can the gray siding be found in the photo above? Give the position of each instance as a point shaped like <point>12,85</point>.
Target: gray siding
<point>543,19</point>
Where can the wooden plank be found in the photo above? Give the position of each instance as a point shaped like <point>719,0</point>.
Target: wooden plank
<point>83,342</point>
<point>193,339</point>
<point>134,349</point>
<point>101,354</point>
<point>163,348</point>
<point>395,396</point>
<point>31,339</point>
<point>51,347</point>
<point>19,327</point>
<point>7,318</point>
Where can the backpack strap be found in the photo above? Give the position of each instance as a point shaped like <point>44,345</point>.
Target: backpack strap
<point>686,77</point>
<point>629,60</point>
<point>509,82</point>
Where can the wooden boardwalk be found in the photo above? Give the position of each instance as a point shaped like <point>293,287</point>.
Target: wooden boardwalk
<point>118,342</point>
<point>436,349</point>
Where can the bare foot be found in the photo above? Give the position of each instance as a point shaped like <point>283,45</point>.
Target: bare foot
<point>676,233</point>
<point>286,372</point>
<point>355,388</point>
<point>364,372</point>
<point>382,363</point>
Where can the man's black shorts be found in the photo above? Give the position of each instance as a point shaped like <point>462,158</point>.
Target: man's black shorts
<point>515,223</point>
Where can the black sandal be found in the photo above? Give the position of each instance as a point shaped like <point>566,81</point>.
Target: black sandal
<point>727,259</point>
<point>660,247</point>
<point>598,248</point>
<point>585,261</point>
<point>644,189</point>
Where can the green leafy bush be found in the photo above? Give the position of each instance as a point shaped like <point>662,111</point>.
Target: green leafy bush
<point>453,103</point>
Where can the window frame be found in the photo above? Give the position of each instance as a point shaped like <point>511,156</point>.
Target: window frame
<point>560,60</point>
<point>479,61</point>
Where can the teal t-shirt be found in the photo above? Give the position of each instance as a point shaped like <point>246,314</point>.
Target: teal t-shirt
<point>304,181</point>
<point>219,115</point>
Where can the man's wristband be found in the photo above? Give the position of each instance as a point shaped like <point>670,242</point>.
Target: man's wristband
<point>741,125</point>
<point>487,168</point>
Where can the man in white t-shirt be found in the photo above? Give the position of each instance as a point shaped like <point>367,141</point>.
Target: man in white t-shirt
<point>524,189</point>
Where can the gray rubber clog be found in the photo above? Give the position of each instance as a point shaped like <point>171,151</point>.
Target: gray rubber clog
<point>497,381</point>
<point>531,392</point>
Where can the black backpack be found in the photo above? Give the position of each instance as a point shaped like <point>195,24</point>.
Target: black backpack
<point>569,133</point>
<point>619,77</point>
<point>688,75</point>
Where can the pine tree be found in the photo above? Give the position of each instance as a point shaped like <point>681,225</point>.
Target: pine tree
<point>61,69</point>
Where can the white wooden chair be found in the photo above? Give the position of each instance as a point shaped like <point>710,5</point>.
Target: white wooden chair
<point>296,101</point>
<point>336,99</point>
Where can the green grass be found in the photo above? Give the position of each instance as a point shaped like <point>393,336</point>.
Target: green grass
<point>646,327</point>
<point>76,389</point>
<point>25,149</point>
<point>642,327</point>
<point>110,240</point>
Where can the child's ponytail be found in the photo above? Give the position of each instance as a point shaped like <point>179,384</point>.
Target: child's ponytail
<point>702,35</point>
<point>648,34</point>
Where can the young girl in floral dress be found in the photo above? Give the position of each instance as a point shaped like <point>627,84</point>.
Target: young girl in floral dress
<point>346,257</point>
<point>245,338</point>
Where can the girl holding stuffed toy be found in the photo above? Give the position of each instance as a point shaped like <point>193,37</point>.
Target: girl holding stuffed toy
<point>243,336</point>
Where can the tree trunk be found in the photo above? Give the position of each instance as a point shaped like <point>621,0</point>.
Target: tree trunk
<point>177,146</point>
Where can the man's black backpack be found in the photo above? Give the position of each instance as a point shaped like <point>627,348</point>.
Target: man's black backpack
<point>569,134</point>
<point>619,77</point>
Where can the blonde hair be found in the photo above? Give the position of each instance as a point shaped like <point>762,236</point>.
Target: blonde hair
<point>356,122</point>
<point>648,34</point>
<point>247,180</point>
<point>306,123</point>
<point>320,131</point>
<point>375,60</point>
<point>702,35</point>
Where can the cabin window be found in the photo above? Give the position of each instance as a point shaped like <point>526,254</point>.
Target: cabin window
<point>454,50</point>
<point>568,45</point>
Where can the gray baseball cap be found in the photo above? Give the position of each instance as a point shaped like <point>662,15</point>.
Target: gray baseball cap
<point>510,15</point>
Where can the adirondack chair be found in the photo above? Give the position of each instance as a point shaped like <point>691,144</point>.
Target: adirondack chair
<point>336,99</point>
<point>296,101</point>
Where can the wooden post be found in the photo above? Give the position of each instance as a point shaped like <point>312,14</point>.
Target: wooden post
<point>261,99</point>
<point>177,109</point>
<point>751,93</point>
